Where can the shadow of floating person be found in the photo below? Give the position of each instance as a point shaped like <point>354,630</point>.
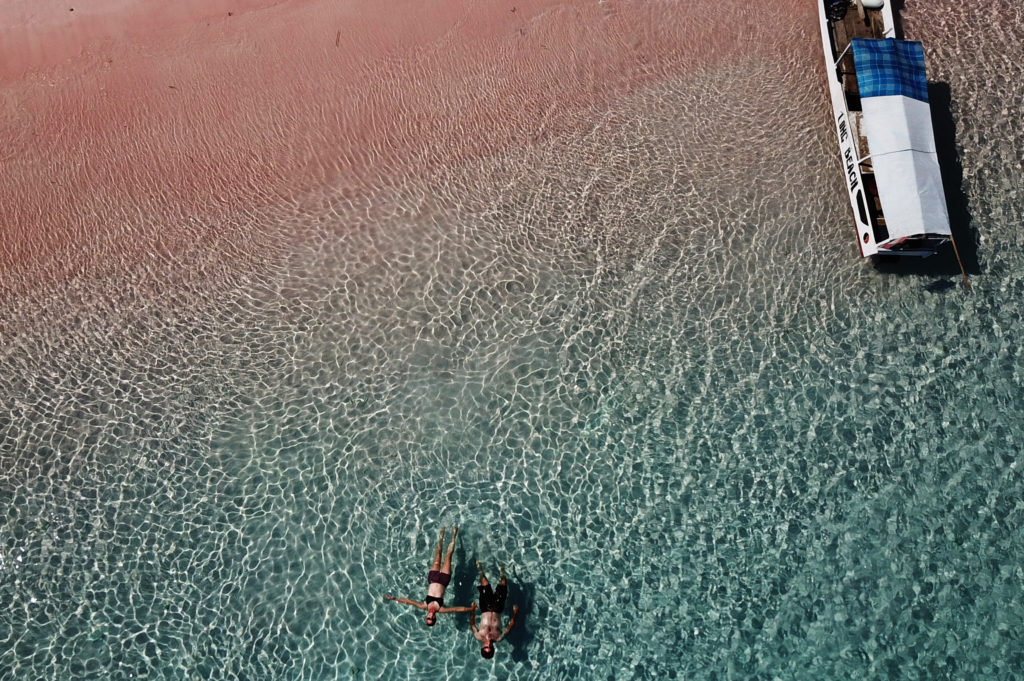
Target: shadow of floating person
<point>943,264</point>
<point>519,639</point>
<point>463,586</point>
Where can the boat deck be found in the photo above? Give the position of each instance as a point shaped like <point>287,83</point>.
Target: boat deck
<point>858,23</point>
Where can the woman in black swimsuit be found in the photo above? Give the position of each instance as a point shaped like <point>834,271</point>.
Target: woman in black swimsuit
<point>437,580</point>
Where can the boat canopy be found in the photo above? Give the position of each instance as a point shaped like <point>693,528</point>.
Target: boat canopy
<point>897,123</point>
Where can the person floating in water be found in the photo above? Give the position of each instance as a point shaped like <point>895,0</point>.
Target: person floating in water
<point>492,603</point>
<point>437,580</point>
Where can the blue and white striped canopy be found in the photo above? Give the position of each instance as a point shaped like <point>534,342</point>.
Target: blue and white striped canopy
<point>890,67</point>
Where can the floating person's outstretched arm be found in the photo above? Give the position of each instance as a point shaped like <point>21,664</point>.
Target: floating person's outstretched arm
<point>407,601</point>
<point>511,621</point>
<point>459,608</point>
<point>472,621</point>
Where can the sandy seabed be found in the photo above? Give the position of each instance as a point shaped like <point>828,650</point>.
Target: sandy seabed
<point>138,131</point>
<point>287,286</point>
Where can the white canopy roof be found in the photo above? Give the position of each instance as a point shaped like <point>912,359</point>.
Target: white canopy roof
<point>902,146</point>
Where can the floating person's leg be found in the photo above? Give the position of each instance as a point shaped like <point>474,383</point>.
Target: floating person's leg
<point>436,565</point>
<point>501,593</point>
<point>447,566</point>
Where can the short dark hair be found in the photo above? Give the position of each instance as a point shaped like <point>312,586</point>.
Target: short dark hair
<point>431,621</point>
<point>488,653</point>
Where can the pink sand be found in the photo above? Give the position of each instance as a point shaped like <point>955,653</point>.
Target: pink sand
<point>123,118</point>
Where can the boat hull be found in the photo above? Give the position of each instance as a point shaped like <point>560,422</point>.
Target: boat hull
<point>847,128</point>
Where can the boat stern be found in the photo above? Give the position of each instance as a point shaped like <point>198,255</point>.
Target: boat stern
<point>917,246</point>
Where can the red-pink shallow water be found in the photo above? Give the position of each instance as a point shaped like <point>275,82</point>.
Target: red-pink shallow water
<point>127,124</point>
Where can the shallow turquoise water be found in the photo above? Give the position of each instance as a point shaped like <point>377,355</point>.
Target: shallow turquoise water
<point>641,367</point>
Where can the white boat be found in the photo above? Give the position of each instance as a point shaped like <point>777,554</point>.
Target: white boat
<point>886,142</point>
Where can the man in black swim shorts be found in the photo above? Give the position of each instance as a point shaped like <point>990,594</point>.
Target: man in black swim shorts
<point>492,603</point>
<point>438,578</point>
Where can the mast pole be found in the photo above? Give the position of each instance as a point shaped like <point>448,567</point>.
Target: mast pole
<point>960,262</point>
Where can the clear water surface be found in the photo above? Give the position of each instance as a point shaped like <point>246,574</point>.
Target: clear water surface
<point>642,367</point>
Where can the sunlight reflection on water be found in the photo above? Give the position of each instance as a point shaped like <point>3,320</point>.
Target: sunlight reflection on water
<point>641,366</point>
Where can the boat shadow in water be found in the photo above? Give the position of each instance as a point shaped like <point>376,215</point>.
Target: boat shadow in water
<point>897,12</point>
<point>943,263</point>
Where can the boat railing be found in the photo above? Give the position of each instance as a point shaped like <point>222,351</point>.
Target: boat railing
<point>843,54</point>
